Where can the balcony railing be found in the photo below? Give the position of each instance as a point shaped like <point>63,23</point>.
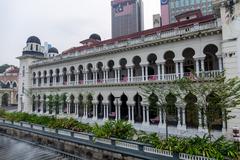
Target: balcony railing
<point>138,79</point>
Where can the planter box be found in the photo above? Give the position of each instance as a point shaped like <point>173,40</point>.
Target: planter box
<point>50,130</point>
<point>64,132</point>
<point>81,136</point>
<point>27,125</point>
<point>37,127</point>
<point>104,141</point>
<point>17,123</point>
<point>8,122</point>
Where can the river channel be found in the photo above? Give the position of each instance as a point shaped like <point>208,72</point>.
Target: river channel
<point>11,149</point>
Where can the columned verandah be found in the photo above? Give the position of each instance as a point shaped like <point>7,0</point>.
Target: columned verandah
<point>137,70</point>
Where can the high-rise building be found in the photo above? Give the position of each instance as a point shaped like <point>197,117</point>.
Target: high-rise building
<point>171,8</point>
<point>127,17</point>
<point>157,20</point>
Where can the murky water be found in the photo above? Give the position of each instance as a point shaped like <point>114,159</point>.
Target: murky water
<point>11,149</point>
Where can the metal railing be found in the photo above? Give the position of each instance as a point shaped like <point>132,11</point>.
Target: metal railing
<point>112,142</point>
<point>208,75</point>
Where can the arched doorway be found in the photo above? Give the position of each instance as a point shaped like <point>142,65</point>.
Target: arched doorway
<point>188,63</point>
<point>138,109</point>
<point>169,63</point>
<point>72,74</point>
<point>44,104</point>
<point>112,109</point>
<point>100,109</point>
<point>99,72</point>
<point>213,112</point>
<point>51,77</point>
<point>152,67</point>
<point>65,78</point>
<point>153,109</point>
<point>64,99</point>
<point>80,106</point>
<point>90,73</point>
<point>57,75</point>
<point>57,103</point>
<point>72,104</point>
<point>124,107</point>
<point>191,111</point>
<point>89,106</point>
<point>171,110</point>
<point>5,100</point>
<point>211,60</point>
<point>111,71</point>
<point>123,70</point>
<point>80,74</point>
<point>137,69</point>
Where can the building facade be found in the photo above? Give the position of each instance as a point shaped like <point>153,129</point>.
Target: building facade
<point>9,87</point>
<point>172,8</point>
<point>102,80</point>
<point>127,17</point>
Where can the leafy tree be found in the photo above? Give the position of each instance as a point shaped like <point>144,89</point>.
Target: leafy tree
<point>160,92</point>
<point>215,96</point>
<point>4,67</point>
<point>50,103</point>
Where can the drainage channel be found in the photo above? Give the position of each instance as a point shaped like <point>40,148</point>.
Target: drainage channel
<point>12,148</point>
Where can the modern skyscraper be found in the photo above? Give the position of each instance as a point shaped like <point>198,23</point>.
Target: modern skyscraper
<point>127,17</point>
<point>171,8</point>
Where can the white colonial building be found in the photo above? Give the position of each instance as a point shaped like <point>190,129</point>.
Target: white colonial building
<point>102,79</point>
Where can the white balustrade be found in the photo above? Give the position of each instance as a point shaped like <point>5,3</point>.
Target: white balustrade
<point>157,151</point>
<point>170,77</point>
<point>127,145</point>
<point>184,156</point>
<point>65,133</point>
<point>137,79</point>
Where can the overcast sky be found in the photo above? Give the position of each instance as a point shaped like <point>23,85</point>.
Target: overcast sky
<point>62,23</point>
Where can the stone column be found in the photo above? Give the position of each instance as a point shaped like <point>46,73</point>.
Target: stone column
<point>177,71</point>
<point>146,72</point>
<point>107,112</point>
<point>160,118</point>
<point>84,78</point>
<point>144,115</point>
<point>197,67</point>
<point>68,108</point>
<point>76,109</point>
<point>96,111</point>
<point>68,79</point>
<point>131,74</point>
<point>133,120</point>
<point>183,119</point>
<point>129,113</point>
<point>116,112</point>
<point>128,72</point>
<point>202,65</point>
<point>179,118</point>
<point>200,126</point>
<point>104,76</point>
<point>76,79</point>
<point>143,75</point>
<point>119,112</point>
<point>159,70</point>
<point>163,71</point>
<point>220,64</point>
<point>181,69</point>
<point>147,113</point>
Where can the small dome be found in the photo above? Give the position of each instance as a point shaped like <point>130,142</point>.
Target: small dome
<point>33,39</point>
<point>52,50</point>
<point>95,36</point>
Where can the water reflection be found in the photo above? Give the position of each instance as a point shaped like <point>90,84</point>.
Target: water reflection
<point>11,149</point>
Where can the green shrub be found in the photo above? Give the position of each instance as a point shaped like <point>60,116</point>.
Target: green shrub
<point>116,129</point>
